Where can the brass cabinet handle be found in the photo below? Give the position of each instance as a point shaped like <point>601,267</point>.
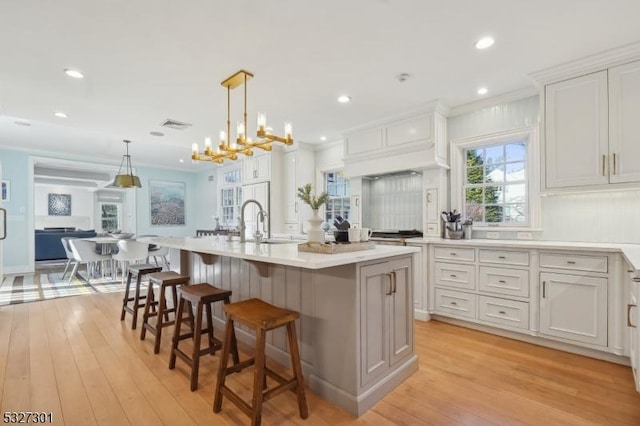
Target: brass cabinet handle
<point>604,159</point>
<point>502,282</point>
<point>629,306</point>
<point>614,163</point>
<point>428,197</point>
<point>502,312</point>
<point>452,276</point>
<point>454,303</point>
<point>501,257</point>
<point>544,290</point>
<point>571,262</point>
<point>453,254</point>
<point>395,281</point>
<point>390,284</point>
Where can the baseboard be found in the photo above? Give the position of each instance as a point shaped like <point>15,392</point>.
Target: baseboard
<point>540,341</point>
<point>421,315</point>
<point>20,269</point>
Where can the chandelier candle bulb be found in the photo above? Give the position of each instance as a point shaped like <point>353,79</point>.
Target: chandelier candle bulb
<point>194,151</point>
<point>240,131</point>
<point>262,120</point>
<point>207,146</point>
<point>223,138</point>
<point>288,130</point>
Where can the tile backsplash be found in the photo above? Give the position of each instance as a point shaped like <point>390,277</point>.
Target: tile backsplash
<point>392,201</point>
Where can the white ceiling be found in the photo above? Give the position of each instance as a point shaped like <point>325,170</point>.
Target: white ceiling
<point>148,60</point>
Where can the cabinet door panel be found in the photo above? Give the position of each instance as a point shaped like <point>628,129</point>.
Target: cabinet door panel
<point>375,286</point>
<point>456,303</point>
<point>401,311</point>
<point>364,142</point>
<point>455,275</point>
<point>408,131</point>
<point>574,307</point>
<point>504,312</point>
<point>576,139</point>
<point>624,130</point>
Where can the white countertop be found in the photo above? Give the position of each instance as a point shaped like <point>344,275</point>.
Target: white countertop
<point>282,254</point>
<point>631,252</point>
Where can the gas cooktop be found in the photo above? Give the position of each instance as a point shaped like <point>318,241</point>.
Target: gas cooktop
<point>413,233</point>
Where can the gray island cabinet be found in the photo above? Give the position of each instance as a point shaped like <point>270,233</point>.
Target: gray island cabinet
<point>355,331</point>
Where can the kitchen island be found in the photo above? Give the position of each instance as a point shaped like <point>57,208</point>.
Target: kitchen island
<point>355,331</point>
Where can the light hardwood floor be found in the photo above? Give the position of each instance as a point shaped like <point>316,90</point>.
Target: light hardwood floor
<point>74,358</point>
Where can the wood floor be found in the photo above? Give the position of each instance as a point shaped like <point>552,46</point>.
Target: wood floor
<point>74,358</point>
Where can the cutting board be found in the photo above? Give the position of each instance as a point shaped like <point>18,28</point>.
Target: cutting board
<point>332,248</point>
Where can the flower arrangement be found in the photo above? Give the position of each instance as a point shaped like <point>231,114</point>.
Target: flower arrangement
<point>304,193</point>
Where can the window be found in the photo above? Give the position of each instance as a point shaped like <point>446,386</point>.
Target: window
<point>338,188</point>
<point>495,185</point>
<point>110,216</point>
<point>492,179</point>
<point>231,196</point>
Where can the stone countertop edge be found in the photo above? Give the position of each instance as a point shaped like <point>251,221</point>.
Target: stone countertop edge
<point>631,252</point>
<point>282,254</point>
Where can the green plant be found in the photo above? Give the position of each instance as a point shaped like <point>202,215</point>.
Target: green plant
<point>304,193</point>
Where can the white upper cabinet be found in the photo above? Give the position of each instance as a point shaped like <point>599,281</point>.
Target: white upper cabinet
<point>256,168</point>
<point>364,142</point>
<point>624,116</point>
<point>298,170</point>
<point>577,132</point>
<point>592,129</point>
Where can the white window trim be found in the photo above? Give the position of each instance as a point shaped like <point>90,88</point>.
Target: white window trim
<point>458,164</point>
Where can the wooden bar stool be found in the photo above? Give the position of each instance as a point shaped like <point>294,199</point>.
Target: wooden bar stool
<point>136,271</point>
<point>198,295</point>
<point>165,280</point>
<point>262,317</point>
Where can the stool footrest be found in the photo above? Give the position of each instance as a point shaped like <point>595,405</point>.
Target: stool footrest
<point>239,402</point>
<point>240,366</point>
<point>288,385</point>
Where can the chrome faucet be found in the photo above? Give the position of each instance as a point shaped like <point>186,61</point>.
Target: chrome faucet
<point>262,213</point>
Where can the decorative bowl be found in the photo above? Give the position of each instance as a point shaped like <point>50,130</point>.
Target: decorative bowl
<point>121,235</point>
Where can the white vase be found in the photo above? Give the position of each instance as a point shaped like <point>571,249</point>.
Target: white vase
<point>315,233</point>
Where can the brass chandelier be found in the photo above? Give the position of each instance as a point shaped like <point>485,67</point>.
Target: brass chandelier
<point>241,144</point>
<point>126,179</point>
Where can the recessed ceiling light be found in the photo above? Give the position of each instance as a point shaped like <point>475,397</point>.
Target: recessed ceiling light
<point>484,42</point>
<point>156,133</point>
<point>483,91</point>
<point>73,73</point>
<point>323,138</point>
<point>343,99</point>
<point>60,114</point>
<point>181,160</point>
<point>22,123</point>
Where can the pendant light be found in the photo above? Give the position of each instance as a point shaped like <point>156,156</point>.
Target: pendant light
<point>127,180</point>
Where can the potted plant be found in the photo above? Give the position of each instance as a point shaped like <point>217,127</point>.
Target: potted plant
<point>315,234</point>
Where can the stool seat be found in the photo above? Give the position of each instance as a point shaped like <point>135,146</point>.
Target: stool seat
<point>201,296</point>
<point>259,314</point>
<point>262,317</point>
<point>137,271</point>
<point>165,280</point>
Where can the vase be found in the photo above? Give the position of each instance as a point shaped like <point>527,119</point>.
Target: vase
<point>315,233</point>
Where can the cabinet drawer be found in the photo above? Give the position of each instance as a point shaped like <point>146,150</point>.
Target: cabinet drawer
<point>513,282</point>
<point>505,312</point>
<point>456,303</point>
<point>454,275</point>
<point>520,258</point>
<point>576,262</point>
<point>455,253</point>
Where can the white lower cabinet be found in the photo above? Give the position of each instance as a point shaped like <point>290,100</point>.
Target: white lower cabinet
<point>456,303</point>
<point>514,282</point>
<point>510,313</point>
<point>455,275</point>
<point>574,307</point>
<point>386,317</point>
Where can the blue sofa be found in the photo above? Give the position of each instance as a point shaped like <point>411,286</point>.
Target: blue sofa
<point>48,243</point>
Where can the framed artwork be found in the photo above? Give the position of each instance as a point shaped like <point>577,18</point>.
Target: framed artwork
<point>166,201</point>
<point>59,205</point>
<point>6,190</point>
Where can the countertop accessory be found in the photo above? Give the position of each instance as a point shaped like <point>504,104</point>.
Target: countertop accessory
<point>315,233</point>
<point>332,248</point>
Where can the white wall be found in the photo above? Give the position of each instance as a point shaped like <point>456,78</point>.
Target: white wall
<point>82,207</point>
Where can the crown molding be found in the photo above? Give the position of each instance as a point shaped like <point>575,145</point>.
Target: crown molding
<point>501,99</point>
<point>588,64</point>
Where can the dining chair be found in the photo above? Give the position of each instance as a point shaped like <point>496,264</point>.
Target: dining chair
<point>70,257</point>
<point>130,251</point>
<point>85,252</point>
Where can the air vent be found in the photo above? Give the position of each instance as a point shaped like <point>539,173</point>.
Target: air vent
<point>175,124</point>
<point>212,178</point>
